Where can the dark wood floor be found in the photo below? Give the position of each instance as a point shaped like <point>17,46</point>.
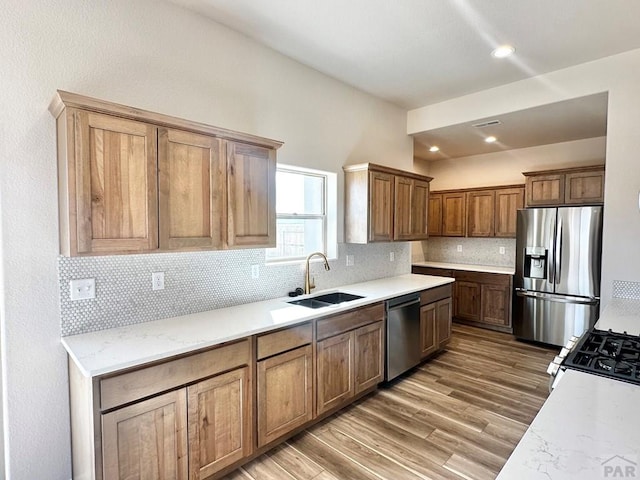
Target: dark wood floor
<point>458,416</point>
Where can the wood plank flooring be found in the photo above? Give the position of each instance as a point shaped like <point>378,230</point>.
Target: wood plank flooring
<point>458,416</point>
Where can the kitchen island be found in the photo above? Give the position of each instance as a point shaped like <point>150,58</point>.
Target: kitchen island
<point>588,428</point>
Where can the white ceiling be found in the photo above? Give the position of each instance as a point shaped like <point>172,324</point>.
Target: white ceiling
<point>419,52</point>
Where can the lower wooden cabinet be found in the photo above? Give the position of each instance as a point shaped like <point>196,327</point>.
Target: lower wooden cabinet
<point>468,300</point>
<point>285,393</point>
<point>496,302</point>
<point>435,320</point>
<point>220,422</point>
<point>348,364</point>
<point>147,439</point>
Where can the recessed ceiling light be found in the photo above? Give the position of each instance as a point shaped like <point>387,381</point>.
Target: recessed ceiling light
<point>434,149</point>
<point>490,139</point>
<point>503,51</point>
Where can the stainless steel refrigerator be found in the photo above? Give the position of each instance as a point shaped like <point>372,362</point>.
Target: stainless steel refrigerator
<point>557,278</point>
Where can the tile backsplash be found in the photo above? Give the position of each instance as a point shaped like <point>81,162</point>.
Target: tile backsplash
<point>200,281</point>
<point>475,251</point>
<point>626,290</point>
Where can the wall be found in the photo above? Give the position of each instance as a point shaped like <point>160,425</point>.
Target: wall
<point>505,168</point>
<point>156,56</point>
<point>619,75</point>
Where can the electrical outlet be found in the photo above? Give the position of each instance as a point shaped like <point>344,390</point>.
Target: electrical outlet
<point>392,256</point>
<point>460,248</point>
<point>255,271</point>
<point>84,289</point>
<point>349,260</point>
<point>501,250</point>
<point>157,280</point>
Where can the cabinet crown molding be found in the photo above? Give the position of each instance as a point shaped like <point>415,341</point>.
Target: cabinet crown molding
<point>588,168</point>
<point>62,100</point>
<point>381,168</point>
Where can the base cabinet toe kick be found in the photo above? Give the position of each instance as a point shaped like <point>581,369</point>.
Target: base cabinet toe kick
<point>203,414</point>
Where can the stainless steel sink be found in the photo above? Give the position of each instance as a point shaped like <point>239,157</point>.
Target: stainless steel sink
<point>326,300</point>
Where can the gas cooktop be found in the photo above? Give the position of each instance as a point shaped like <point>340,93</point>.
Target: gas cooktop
<point>607,353</point>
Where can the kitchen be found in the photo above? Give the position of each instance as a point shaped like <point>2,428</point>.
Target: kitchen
<point>119,53</point>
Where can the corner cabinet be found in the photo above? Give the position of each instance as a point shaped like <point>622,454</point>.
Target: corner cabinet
<point>384,204</point>
<point>133,181</point>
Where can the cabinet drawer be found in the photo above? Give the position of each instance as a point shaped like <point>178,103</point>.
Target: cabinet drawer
<point>344,322</point>
<point>435,294</point>
<point>142,383</point>
<point>283,340</point>
<point>481,277</point>
<point>438,272</point>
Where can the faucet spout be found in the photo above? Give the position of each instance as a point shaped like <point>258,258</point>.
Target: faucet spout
<point>308,283</point>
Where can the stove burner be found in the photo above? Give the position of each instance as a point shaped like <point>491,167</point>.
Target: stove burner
<point>610,354</point>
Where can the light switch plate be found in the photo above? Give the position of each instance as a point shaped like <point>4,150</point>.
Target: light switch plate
<point>459,248</point>
<point>349,260</point>
<point>501,250</point>
<point>255,271</point>
<point>392,256</point>
<point>82,289</point>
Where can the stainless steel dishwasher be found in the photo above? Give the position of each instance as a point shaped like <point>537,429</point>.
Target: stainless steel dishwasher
<point>403,334</point>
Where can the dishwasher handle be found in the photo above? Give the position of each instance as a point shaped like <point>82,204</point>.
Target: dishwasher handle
<point>402,302</point>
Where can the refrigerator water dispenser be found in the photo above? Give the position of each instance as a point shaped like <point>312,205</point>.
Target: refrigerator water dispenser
<point>535,262</point>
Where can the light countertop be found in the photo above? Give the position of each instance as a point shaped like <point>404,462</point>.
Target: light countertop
<point>106,351</point>
<point>467,267</point>
<point>588,428</point>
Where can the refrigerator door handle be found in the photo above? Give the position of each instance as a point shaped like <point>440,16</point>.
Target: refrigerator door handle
<point>558,255</point>
<point>557,298</point>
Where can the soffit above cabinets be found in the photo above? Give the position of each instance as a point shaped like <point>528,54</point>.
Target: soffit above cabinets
<point>575,119</point>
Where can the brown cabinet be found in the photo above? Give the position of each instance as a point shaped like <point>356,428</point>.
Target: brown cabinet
<point>575,186</point>
<point>132,181</point>
<point>220,422</point>
<point>147,439</point>
<point>435,319</point>
<point>411,209</point>
<point>507,203</point>
<point>251,184</point>
<point>192,186</point>
<point>479,298</point>
<point>384,204</point>
<point>480,213</point>
<point>284,381</point>
<point>453,214</point>
<point>477,212</point>
<point>349,355</point>
<point>112,184</point>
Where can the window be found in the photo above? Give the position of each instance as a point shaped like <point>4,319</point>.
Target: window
<point>303,214</point>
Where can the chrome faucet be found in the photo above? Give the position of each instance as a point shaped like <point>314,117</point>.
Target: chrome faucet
<point>308,283</point>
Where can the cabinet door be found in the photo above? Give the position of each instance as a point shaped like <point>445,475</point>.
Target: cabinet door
<point>480,213</point>
<point>251,190</point>
<point>496,300</point>
<point>368,345</point>
<point>220,422</point>
<point>192,185</point>
<point>434,217</point>
<point>468,300</point>
<point>147,439</point>
<point>508,201</point>
<point>453,215</point>
<point>116,184</point>
<point>443,322</point>
<point>402,208</point>
<point>381,207</point>
<point>420,210</point>
<point>545,190</point>
<point>285,389</point>
<point>428,340</point>
<point>335,371</point>
<point>584,187</point>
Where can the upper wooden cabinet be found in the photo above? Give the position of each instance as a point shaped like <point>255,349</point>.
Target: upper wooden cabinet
<point>133,181</point>
<point>383,204</point>
<point>192,184</point>
<point>574,186</point>
<point>477,212</point>
<point>251,173</point>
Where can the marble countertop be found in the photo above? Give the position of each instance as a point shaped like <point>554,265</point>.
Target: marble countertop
<point>106,351</point>
<point>467,267</point>
<point>588,428</point>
